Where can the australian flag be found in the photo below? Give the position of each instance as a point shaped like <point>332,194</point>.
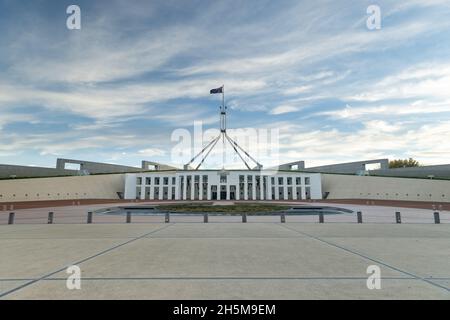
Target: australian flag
<point>218,90</point>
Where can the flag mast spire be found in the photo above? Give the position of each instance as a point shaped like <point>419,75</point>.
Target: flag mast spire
<point>225,137</point>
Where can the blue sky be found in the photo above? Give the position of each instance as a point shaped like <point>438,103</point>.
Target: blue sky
<point>115,90</point>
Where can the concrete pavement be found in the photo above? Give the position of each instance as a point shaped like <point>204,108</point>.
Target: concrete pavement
<point>225,261</point>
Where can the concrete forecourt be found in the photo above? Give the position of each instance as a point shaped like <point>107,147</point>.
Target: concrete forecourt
<point>225,260</point>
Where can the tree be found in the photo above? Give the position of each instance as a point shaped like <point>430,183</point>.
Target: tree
<point>406,163</point>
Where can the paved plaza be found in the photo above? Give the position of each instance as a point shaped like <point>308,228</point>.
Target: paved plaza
<point>226,260</point>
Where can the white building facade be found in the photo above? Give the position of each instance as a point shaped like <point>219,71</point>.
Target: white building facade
<point>223,185</point>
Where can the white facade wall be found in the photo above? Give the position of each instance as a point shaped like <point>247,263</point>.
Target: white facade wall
<point>223,185</point>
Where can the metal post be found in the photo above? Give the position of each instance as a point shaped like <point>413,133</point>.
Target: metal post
<point>128,217</point>
<point>283,218</point>
<point>321,219</point>
<point>205,218</point>
<point>11,218</point>
<point>359,214</point>
<point>437,219</point>
<point>50,218</point>
<point>89,217</point>
<point>167,220</point>
<point>398,217</point>
<point>244,217</point>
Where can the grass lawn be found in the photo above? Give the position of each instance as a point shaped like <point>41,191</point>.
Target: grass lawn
<point>231,209</point>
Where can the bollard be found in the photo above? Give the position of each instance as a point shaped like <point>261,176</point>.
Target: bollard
<point>244,218</point>
<point>437,219</point>
<point>167,218</point>
<point>321,219</point>
<point>398,217</point>
<point>11,218</point>
<point>50,218</point>
<point>359,214</point>
<point>89,217</point>
<point>128,217</point>
<point>205,218</point>
<point>283,218</point>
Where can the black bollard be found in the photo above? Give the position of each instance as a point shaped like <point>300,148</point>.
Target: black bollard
<point>321,218</point>
<point>398,217</point>
<point>50,218</point>
<point>128,217</point>
<point>205,218</point>
<point>89,217</point>
<point>11,218</point>
<point>167,220</point>
<point>283,218</point>
<point>359,214</point>
<point>244,218</point>
<point>437,219</point>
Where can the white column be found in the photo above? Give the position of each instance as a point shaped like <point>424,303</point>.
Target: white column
<point>254,187</point>
<point>294,188</point>
<point>177,188</point>
<point>228,190</point>
<point>285,188</point>
<point>245,188</point>
<point>184,188</point>
<point>208,191</point>
<point>161,188</point>
<point>261,187</point>
<point>269,188</point>
<point>143,189</point>
<point>152,189</point>
<point>238,190</point>
<point>277,189</point>
<point>200,189</point>
<point>303,189</point>
<point>169,191</point>
<point>192,187</point>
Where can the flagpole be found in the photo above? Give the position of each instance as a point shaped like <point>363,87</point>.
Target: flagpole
<point>224,119</point>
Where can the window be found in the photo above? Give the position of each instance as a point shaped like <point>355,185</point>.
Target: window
<point>157,181</point>
<point>223,178</point>
<point>298,180</point>
<point>307,180</point>
<point>148,181</point>
<point>289,181</point>
<point>139,180</point>
<point>166,181</point>
<point>280,180</point>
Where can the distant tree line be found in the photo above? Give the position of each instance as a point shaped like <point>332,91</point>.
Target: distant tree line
<point>404,163</point>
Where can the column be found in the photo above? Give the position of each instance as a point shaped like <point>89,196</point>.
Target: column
<point>143,189</point>
<point>303,189</point>
<point>177,188</point>
<point>161,188</point>
<point>254,187</point>
<point>285,188</point>
<point>277,188</point>
<point>261,188</point>
<point>169,191</point>
<point>184,188</point>
<point>228,190</point>
<point>294,188</point>
<point>193,187</point>
<point>208,191</point>
<point>238,190</point>
<point>269,188</point>
<point>245,187</point>
<point>200,188</point>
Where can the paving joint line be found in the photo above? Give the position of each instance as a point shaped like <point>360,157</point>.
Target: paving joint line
<point>3,294</point>
<point>366,257</point>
